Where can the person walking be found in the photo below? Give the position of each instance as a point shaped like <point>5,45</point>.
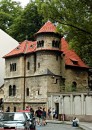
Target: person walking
<point>53,112</point>
<point>44,117</point>
<point>38,114</point>
<point>49,113</point>
<point>32,112</point>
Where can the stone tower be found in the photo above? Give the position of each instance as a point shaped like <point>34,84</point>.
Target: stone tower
<point>48,56</point>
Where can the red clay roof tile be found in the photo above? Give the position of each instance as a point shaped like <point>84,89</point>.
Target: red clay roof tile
<point>48,27</point>
<point>29,46</point>
<point>24,48</point>
<point>71,54</point>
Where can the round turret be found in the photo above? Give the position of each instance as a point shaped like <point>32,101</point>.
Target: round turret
<point>48,38</point>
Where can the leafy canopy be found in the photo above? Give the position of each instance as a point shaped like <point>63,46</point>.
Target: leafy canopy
<point>74,20</point>
<point>9,10</point>
<point>26,24</point>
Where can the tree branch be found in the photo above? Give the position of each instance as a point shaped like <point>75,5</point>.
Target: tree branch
<point>80,29</point>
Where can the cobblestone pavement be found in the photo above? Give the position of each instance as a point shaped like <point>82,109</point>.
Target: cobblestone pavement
<point>51,126</point>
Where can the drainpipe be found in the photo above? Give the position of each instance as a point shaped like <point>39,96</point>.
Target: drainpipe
<point>24,82</point>
<point>26,47</point>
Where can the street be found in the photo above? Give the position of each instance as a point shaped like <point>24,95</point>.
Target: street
<point>51,126</point>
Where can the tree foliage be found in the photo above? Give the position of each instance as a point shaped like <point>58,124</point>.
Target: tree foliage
<point>27,23</point>
<point>74,20</point>
<point>9,10</point>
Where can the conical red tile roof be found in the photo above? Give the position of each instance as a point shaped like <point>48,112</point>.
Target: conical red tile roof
<point>48,27</point>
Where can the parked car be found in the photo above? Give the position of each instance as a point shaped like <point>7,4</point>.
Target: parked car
<point>31,118</point>
<point>14,121</point>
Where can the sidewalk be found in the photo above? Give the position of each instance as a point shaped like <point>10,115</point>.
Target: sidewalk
<point>83,125</point>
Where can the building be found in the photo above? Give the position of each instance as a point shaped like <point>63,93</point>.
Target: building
<point>43,73</point>
<point>7,43</point>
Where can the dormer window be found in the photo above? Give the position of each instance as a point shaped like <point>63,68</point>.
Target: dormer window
<point>74,61</point>
<point>40,44</point>
<point>17,48</point>
<point>31,46</point>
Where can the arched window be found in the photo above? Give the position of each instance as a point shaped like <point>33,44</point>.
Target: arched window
<point>53,43</point>
<point>14,90</point>
<point>10,90</point>
<point>14,109</point>
<point>10,67</point>
<point>27,91</point>
<point>14,66</point>
<point>74,85</point>
<point>37,44</point>
<point>42,43</point>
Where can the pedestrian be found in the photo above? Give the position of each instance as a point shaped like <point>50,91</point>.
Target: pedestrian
<point>53,112</point>
<point>32,112</point>
<point>49,113</point>
<point>38,114</point>
<point>44,117</point>
<point>56,114</point>
<point>27,108</point>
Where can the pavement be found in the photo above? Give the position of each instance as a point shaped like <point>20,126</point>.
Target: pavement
<point>83,125</point>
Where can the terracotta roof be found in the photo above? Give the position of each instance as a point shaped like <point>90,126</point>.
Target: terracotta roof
<point>29,46</point>
<point>48,27</point>
<point>70,56</point>
<point>24,48</point>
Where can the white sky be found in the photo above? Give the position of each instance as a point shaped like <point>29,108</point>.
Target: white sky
<point>23,2</point>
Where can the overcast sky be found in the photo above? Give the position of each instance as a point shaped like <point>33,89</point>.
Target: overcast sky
<point>23,2</point>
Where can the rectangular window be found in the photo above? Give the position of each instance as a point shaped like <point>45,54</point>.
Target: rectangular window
<point>28,65</point>
<point>38,65</point>
<point>56,81</point>
<point>39,92</point>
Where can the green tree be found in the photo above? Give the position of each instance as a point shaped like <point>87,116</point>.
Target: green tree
<point>74,21</point>
<point>26,24</point>
<point>9,10</point>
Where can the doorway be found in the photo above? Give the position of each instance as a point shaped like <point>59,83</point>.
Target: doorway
<point>57,109</point>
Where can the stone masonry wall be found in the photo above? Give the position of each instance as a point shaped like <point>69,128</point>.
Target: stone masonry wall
<point>78,76</point>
